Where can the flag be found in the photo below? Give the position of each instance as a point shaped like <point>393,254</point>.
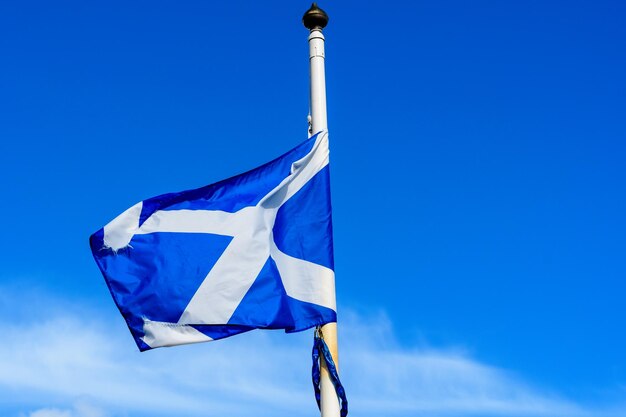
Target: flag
<point>254,251</point>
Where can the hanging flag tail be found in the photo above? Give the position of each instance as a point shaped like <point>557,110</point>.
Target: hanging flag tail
<point>254,251</point>
<point>321,351</point>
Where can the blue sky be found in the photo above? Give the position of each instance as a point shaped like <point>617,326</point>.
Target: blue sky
<point>478,173</point>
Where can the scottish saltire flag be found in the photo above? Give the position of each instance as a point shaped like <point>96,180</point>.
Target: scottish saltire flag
<point>251,252</point>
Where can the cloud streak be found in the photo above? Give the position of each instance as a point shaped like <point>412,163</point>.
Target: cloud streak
<point>72,362</point>
<point>80,409</point>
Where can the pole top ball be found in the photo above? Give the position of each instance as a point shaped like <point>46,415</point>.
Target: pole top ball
<point>315,18</point>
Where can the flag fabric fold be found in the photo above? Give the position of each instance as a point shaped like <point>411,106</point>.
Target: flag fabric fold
<point>320,350</point>
<point>254,251</point>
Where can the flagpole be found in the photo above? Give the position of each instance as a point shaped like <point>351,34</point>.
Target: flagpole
<point>315,19</point>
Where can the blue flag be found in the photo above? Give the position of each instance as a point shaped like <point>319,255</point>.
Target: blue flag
<point>251,252</point>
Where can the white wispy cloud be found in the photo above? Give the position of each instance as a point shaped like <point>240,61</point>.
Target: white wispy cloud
<point>73,362</point>
<point>79,409</point>
<point>51,412</point>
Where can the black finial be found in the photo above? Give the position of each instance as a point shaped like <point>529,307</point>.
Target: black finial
<point>315,18</point>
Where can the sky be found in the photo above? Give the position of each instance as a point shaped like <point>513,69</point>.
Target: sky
<point>478,183</point>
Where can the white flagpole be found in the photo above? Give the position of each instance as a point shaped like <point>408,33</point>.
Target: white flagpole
<point>315,19</point>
